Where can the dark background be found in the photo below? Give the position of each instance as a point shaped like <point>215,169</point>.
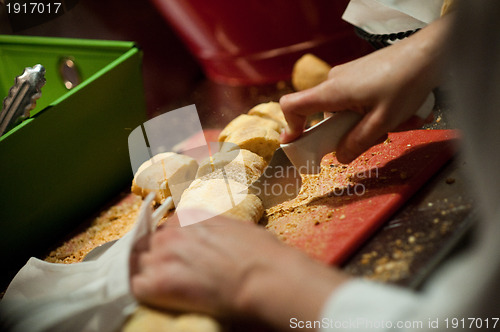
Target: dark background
<point>169,70</point>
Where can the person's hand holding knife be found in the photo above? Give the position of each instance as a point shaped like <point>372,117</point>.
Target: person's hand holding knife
<point>387,87</point>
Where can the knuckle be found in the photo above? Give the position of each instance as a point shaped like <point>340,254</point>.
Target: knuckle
<point>164,235</point>
<point>380,121</point>
<point>143,260</point>
<point>336,70</point>
<point>284,101</point>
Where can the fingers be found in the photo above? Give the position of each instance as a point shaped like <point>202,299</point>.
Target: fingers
<point>368,132</point>
<point>295,120</point>
<point>327,96</point>
<point>164,286</point>
<point>140,247</point>
<point>154,269</point>
<point>413,123</point>
<point>372,130</point>
<point>142,244</point>
<point>186,268</point>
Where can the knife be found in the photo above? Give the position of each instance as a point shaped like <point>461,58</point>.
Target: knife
<point>281,180</point>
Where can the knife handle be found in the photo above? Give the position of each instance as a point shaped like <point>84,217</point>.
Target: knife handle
<point>306,152</point>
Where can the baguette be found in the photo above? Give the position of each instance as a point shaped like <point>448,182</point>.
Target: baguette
<point>245,121</point>
<point>260,140</point>
<point>240,165</point>
<point>155,174</point>
<point>309,71</point>
<point>271,111</point>
<point>222,197</point>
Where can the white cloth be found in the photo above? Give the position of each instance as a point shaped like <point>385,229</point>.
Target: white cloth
<point>388,16</point>
<point>467,286</point>
<point>86,296</point>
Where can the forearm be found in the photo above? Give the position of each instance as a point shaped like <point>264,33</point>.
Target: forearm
<point>295,287</point>
<point>288,290</point>
<point>426,51</point>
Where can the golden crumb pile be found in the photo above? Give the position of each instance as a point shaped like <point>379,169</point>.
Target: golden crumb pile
<point>331,178</point>
<point>110,225</point>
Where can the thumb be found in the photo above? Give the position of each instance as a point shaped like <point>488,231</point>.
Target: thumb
<point>140,247</point>
<point>325,97</point>
<point>368,132</point>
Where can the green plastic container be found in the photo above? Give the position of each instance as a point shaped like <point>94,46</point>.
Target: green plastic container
<point>71,155</point>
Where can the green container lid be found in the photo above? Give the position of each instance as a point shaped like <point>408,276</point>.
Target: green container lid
<point>71,156</point>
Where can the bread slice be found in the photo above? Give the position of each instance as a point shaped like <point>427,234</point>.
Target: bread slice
<point>260,140</point>
<point>271,111</point>
<point>249,209</point>
<point>146,319</point>
<point>309,71</point>
<point>448,6</point>
<point>245,121</point>
<point>220,197</point>
<point>161,172</point>
<point>240,165</point>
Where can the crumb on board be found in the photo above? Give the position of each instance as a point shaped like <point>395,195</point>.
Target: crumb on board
<point>110,225</point>
<point>400,254</point>
<point>395,264</point>
<point>332,178</point>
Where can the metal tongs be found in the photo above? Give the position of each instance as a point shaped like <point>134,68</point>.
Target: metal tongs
<point>22,97</point>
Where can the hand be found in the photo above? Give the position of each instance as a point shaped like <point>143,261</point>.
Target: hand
<point>227,267</point>
<point>387,87</point>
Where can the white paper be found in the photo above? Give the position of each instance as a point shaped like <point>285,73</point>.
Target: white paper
<point>86,296</point>
<point>389,16</point>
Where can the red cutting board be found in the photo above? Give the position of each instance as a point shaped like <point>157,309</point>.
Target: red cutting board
<point>389,172</point>
<point>387,175</point>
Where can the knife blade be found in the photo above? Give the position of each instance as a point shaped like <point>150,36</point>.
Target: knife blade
<point>282,180</point>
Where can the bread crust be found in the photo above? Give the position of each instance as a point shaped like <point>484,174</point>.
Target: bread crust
<point>260,140</point>
<point>154,174</point>
<point>309,71</point>
<point>271,111</point>
<point>240,165</point>
<point>232,199</point>
<point>244,121</point>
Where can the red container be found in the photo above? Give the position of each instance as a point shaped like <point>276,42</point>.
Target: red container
<point>258,41</point>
